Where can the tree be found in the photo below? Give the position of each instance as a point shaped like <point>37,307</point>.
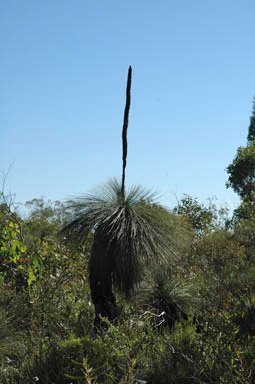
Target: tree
<point>242,170</point>
<point>243,223</point>
<point>128,228</point>
<point>242,179</point>
<point>45,218</point>
<point>251,131</point>
<point>127,232</point>
<point>198,215</point>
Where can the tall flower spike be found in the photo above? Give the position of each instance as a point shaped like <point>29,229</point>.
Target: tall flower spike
<point>124,130</point>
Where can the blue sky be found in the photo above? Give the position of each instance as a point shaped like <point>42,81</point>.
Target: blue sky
<point>63,73</point>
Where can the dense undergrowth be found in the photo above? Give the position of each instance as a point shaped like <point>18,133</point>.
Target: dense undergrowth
<point>189,321</point>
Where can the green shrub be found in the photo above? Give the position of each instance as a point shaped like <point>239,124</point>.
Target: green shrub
<point>162,293</point>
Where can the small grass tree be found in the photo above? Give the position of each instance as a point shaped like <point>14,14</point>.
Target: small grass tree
<point>129,228</point>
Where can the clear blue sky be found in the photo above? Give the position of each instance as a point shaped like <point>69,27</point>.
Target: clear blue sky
<point>63,72</point>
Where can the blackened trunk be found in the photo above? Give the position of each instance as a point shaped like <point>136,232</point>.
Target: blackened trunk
<point>100,271</point>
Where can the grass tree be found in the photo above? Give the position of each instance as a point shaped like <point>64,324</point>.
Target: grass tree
<point>129,228</point>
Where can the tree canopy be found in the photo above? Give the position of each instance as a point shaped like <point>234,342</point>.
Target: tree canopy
<point>251,130</point>
<point>242,170</point>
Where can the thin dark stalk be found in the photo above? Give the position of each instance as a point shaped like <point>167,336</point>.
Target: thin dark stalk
<point>124,130</point>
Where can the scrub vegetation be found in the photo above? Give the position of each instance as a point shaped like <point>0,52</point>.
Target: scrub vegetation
<point>113,287</point>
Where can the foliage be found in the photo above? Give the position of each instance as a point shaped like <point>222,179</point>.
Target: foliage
<point>134,227</point>
<point>244,226</point>
<point>191,320</point>
<point>44,293</point>
<point>168,297</point>
<point>242,172</point>
<point>44,218</point>
<point>242,180</point>
<point>200,216</point>
<point>251,130</point>
<point>12,252</point>
<point>207,293</point>
<point>129,230</point>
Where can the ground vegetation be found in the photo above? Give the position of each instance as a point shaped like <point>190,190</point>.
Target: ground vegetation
<point>115,288</point>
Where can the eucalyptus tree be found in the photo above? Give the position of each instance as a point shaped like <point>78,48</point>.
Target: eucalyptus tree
<point>251,129</point>
<point>242,169</point>
<point>242,179</point>
<point>129,227</point>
